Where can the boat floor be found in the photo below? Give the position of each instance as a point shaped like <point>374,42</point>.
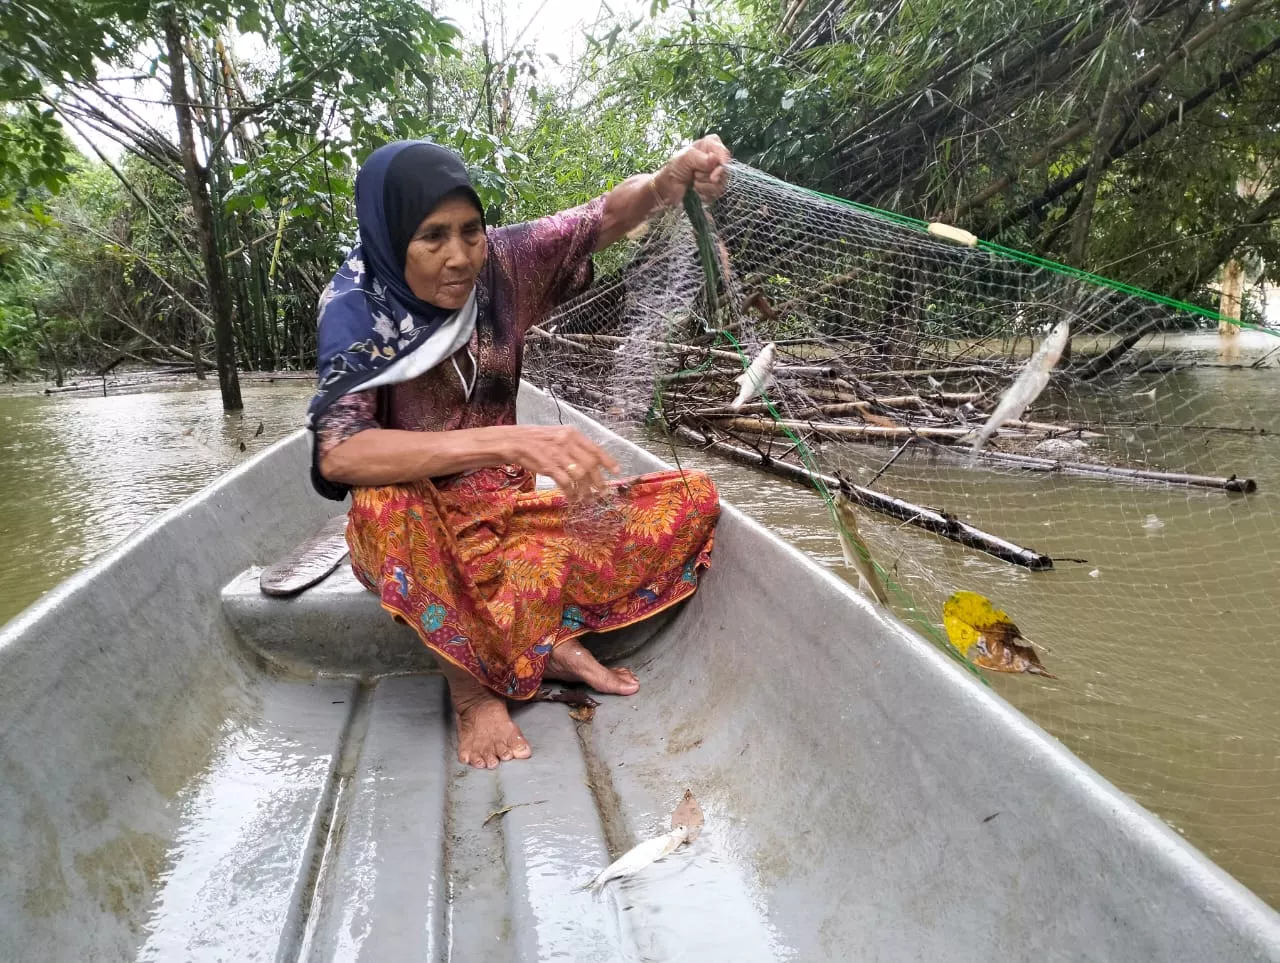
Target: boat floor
<point>338,812</point>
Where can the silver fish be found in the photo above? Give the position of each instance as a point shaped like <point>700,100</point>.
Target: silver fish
<point>756,378</point>
<point>856,554</point>
<point>638,857</point>
<point>1029,384</point>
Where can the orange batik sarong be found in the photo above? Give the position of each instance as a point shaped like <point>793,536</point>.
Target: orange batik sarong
<point>493,574</point>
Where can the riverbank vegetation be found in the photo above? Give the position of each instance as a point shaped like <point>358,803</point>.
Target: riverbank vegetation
<point>176,179</point>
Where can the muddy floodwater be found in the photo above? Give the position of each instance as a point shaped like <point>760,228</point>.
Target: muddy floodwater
<point>1162,636</point>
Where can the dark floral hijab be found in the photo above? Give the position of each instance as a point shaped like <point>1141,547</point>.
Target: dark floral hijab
<point>369,318</point>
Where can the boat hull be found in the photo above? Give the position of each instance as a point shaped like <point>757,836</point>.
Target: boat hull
<point>176,786</point>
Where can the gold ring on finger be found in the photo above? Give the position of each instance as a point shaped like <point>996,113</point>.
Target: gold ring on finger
<point>571,467</point>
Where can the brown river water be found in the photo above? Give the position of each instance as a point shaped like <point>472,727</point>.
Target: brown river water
<point>1163,640</point>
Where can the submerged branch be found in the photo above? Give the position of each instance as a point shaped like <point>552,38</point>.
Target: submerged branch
<point>931,520</point>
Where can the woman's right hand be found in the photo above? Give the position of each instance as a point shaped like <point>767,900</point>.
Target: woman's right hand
<point>565,455</point>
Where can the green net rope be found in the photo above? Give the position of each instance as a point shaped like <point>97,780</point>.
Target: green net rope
<point>1035,260</point>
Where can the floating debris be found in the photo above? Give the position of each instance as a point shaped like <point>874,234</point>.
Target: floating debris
<point>499,813</point>
<point>986,635</point>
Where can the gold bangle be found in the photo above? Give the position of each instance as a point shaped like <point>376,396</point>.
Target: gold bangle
<point>657,194</point>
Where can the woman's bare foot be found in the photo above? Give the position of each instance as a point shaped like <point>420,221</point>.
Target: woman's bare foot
<point>571,662</point>
<point>486,734</point>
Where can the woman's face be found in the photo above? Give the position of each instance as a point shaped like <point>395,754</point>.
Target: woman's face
<point>446,254</point>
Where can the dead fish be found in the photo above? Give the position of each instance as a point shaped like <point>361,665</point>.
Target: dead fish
<point>641,856</point>
<point>856,554</point>
<point>756,378</point>
<point>686,826</point>
<point>1028,385</point>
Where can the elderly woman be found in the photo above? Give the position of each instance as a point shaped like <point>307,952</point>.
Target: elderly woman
<point>420,347</point>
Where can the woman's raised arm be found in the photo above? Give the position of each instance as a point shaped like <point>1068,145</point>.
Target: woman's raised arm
<point>700,165</point>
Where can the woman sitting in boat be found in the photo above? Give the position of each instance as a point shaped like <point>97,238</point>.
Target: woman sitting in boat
<point>420,347</point>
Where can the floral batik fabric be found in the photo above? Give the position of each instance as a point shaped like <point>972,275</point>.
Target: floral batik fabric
<point>492,574</point>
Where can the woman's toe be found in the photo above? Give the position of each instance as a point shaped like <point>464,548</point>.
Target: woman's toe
<point>520,748</point>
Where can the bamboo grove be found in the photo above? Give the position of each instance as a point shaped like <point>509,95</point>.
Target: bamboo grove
<point>176,178</point>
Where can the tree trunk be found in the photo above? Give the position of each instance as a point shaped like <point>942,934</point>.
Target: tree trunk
<point>1089,193</point>
<point>1230,296</point>
<point>197,189</point>
<point>48,343</point>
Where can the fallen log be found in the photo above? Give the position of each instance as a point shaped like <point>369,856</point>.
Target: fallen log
<point>929,519</point>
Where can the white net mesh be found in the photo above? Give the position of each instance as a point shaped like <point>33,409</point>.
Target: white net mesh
<point>1128,472</point>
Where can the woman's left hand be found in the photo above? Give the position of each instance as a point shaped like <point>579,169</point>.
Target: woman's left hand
<point>701,166</point>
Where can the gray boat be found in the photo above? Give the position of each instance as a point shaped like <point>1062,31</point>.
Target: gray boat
<point>193,771</point>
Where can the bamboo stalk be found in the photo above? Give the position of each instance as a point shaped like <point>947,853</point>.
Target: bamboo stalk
<point>1231,484</point>
<point>1054,431</point>
<point>972,369</point>
<point>843,408</point>
<point>596,351</point>
<point>761,426</point>
<point>172,349</point>
<point>931,520</point>
<point>614,339</point>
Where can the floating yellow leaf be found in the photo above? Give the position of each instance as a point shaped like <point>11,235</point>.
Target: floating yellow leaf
<point>987,636</point>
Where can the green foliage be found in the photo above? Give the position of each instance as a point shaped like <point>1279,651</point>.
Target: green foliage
<point>919,107</point>
<point>916,108</point>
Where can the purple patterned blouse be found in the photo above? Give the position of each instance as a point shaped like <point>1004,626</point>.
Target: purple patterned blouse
<point>531,269</point>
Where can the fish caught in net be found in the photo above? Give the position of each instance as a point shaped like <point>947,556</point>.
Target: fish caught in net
<point>1122,505</point>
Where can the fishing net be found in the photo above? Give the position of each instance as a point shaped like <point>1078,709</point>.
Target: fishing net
<point>1116,520</point>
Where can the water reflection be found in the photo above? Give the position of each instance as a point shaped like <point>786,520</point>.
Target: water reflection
<point>79,474</point>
